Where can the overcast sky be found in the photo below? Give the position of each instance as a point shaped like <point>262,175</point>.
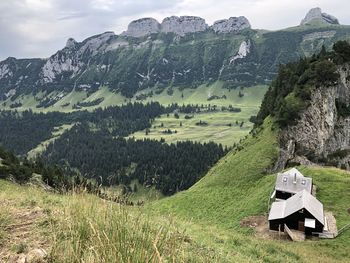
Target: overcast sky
<point>38,28</point>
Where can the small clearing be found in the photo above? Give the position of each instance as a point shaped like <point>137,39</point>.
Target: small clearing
<point>261,227</point>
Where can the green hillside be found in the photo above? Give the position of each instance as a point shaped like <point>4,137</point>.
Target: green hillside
<point>239,186</point>
<point>203,94</point>
<point>222,127</point>
<point>85,228</point>
<point>202,224</point>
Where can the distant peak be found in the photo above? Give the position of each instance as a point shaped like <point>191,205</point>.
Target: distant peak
<point>233,24</point>
<point>71,43</point>
<point>316,15</point>
<point>142,27</point>
<point>183,25</point>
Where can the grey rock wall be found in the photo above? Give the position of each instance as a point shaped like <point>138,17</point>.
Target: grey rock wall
<point>233,24</point>
<point>321,131</point>
<point>316,14</point>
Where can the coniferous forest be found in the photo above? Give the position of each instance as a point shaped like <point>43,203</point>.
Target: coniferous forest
<point>97,155</point>
<point>97,149</point>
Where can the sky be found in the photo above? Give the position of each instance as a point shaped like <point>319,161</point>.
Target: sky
<point>38,28</point>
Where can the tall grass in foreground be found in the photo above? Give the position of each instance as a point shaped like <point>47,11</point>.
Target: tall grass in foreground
<point>5,219</point>
<point>88,230</point>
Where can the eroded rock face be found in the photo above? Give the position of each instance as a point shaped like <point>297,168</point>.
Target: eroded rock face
<point>5,71</point>
<point>96,43</point>
<point>70,59</point>
<point>243,51</point>
<point>319,35</point>
<point>142,27</point>
<point>183,24</point>
<point>316,14</point>
<point>233,24</point>
<point>321,132</point>
<point>71,43</point>
<point>56,65</point>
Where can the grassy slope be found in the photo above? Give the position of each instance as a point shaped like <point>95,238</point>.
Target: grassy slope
<point>58,131</point>
<point>198,225</point>
<point>84,228</point>
<point>217,129</point>
<point>143,193</point>
<point>223,201</point>
<point>252,98</point>
<point>238,187</point>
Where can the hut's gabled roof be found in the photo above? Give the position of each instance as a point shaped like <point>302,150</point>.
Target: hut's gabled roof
<point>301,200</point>
<point>292,181</point>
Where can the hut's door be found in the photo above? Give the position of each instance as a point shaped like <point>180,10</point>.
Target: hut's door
<point>301,226</point>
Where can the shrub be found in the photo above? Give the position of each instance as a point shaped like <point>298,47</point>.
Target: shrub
<point>326,72</point>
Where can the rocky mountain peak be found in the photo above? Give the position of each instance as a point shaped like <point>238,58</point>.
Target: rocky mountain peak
<point>233,24</point>
<point>315,14</point>
<point>71,43</point>
<point>183,24</point>
<point>142,27</point>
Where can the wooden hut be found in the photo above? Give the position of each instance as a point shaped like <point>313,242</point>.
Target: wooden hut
<point>301,212</point>
<point>291,182</point>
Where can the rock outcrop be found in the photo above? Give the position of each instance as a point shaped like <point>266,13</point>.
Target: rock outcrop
<point>58,64</point>
<point>315,14</point>
<point>233,24</point>
<point>174,24</point>
<point>5,71</point>
<point>69,61</point>
<point>96,43</point>
<point>243,51</point>
<point>321,135</point>
<point>183,24</point>
<point>71,43</point>
<point>142,27</point>
<point>33,256</point>
<point>36,255</point>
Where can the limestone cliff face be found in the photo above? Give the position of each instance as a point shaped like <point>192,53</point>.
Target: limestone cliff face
<point>321,133</point>
<point>69,61</point>
<point>142,27</point>
<point>233,24</point>
<point>174,24</point>
<point>183,25</point>
<point>315,14</point>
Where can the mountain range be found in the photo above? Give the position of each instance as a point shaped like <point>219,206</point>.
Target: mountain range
<point>180,52</point>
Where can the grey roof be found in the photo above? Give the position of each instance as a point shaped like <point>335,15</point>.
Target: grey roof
<point>292,181</point>
<point>301,200</point>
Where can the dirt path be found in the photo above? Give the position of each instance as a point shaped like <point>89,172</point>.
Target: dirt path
<point>24,234</point>
<point>261,227</point>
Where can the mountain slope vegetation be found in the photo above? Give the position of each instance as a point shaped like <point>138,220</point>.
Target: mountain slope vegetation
<point>239,187</point>
<point>202,224</point>
<point>310,101</point>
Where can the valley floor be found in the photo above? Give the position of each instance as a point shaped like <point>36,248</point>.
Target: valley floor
<point>223,127</point>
